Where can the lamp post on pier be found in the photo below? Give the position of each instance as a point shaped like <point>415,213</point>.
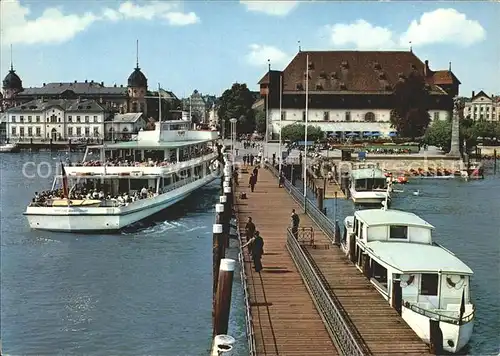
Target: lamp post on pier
<point>233,122</point>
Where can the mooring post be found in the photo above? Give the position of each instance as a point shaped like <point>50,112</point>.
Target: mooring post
<point>352,247</point>
<point>223,345</point>
<point>337,233</point>
<point>436,337</point>
<point>495,161</point>
<point>320,198</point>
<point>223,297</point>
<point>217,231</point>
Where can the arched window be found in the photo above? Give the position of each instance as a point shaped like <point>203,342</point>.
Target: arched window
<point>370,117</point>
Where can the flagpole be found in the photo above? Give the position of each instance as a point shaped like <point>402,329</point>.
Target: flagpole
<point>266,153</point>
<point>305,132</point>
<point>281,108</point>
<point>159,103</point>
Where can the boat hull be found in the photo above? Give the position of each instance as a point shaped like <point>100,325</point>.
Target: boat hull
<point>81,219</point>
<point>368,197</point>
<point>9,147</point>
<point>455,337</point>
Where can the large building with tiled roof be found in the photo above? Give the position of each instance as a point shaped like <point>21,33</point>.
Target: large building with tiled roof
<point>350,91</point>
<point>132,98</point>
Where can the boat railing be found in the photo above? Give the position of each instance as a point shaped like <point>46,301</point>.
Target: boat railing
<point>439,316</point>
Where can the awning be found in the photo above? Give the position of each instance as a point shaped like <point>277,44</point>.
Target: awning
<point>352,134</point>
<point>332,134</point>
<point>376,134</point>
<point>393,134</point>
<point>367,133</point>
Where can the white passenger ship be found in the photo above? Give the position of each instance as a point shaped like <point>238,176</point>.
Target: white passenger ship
<point>121,183</point>
<point>426,283</point>
<point>368,185</point>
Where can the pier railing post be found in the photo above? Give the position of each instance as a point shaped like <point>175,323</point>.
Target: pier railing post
<point>227,214</point>
<point>352,248</point>
<point>223,296</point>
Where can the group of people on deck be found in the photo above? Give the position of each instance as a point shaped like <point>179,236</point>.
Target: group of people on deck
<point>124,163</point>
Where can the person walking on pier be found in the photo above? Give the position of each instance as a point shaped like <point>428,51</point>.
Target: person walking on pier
<point>252,181</point>
<point>295,224</point>
<point>251,159</point>
<point>281,181</point>
<point>244,160</point>
<point>256,173</point>
<point>257,250</point>
<point>249,230</point>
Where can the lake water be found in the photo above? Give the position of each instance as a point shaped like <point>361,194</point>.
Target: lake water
<point>145,291</point>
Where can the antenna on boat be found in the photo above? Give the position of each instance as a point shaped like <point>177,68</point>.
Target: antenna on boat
<point>386,202</point>
<point>159,103</point>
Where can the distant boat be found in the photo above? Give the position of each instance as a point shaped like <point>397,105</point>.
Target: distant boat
<point>9,147</point>
<point>417,193</point>
<point>369,186</point>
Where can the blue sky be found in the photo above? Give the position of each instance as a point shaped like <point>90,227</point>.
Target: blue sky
<point>208,45</point>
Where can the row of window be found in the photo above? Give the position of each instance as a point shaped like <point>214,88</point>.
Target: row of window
<point>38,131</point>
<point>368,117</point>
<point>482,108</point>
<point>53,118</point>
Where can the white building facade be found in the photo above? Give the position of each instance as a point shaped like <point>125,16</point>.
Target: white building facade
<point>123,126</point>
<point>349,92</point>
<point>482,107</point>
<point>59,119</point>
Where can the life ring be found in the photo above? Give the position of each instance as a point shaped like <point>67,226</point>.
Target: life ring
<point>406,280</point>
<point>451,283</point>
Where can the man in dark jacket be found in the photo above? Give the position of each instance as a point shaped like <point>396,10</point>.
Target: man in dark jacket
<point>295,224</point>
<point>256,173</point>
<point>249,230</point>
<point>252,181</point>
<point>257,248</point>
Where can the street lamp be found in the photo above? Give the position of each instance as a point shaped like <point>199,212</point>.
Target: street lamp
<point>233,122</point>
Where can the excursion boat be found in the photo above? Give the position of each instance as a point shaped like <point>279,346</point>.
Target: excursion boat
<point>426,283</point>
<point>368,185</point>
<point>129,181</point>
<point>9,147</point>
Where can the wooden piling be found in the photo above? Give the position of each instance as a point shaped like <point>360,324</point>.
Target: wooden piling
<point>217,231</point>
<point>320,198</point>
<point>436,337</point>
<point>396,296</point>
<point>223,297</point>
<point>337,233</point>
<point>352,247</point>
<point>227,216</point>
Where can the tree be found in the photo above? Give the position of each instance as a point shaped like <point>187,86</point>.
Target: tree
<point>260,122</point>
<point>410,116</point>
<point>237,103</point>
<point>296,132</point>
<point>439,134</point>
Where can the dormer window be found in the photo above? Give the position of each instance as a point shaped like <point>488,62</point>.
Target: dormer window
<point>300,86</point>
<point>398,232</point>
<point>343,86</point>
<point>377,66</point>
<point>322,75</point>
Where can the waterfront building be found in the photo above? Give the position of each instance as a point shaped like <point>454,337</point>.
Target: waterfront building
<point>199,106</point>
<point>123,126</point>
<point>481,106</point>
<point>135,97</point>
<point>350,91</point>
<point>56,119</point>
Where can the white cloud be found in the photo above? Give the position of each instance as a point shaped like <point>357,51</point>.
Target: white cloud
<point>181,19</point>
<point>362,35</point>
<point>444,26</point>
<point>259,54</point>
<point>53,26</point>
<point>269,7</point>
<point>438,26</point>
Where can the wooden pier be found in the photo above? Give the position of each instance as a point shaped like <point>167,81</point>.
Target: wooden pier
<point>285,320</point>
<point>284,299</point>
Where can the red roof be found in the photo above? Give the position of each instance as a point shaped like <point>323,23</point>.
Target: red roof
<point>353,71</point>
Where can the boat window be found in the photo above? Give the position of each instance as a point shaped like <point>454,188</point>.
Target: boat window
<point>429,285</point>
<point>398,232</point>
<point>379,273</point>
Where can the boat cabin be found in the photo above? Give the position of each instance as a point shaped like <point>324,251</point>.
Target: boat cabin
<point>395,250</point>
<point>368,179</point>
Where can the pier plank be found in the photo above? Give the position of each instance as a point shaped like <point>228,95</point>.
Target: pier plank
<point>285,318</point>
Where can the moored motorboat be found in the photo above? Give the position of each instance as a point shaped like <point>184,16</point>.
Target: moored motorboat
<point>131,181</point>
<point>426,283</point>
<point>9,147</point>
<point>368,185</point>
